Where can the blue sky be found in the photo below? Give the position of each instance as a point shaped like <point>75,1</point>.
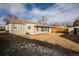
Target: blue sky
<point>55,13</point>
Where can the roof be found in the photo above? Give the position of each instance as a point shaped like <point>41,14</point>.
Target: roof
<point>40,25</point>
<point>17,21</point>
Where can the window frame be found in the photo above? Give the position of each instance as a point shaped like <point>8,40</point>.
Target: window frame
<point>37,28</point>
<point>15,26</point>
<point>46,29</point>
<point>42,29</point>
<point>29,27</point>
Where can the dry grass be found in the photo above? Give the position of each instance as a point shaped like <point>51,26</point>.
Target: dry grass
<point>57,39</point>
<point>15,45</point>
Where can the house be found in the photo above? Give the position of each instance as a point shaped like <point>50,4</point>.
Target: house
<point>73,31</point>
<point>17,26</point>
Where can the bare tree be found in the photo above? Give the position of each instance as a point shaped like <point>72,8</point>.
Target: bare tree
<point>42,20</point>
<point>54,24</point>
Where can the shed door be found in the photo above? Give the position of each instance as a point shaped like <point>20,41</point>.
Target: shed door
<point>75,30</point>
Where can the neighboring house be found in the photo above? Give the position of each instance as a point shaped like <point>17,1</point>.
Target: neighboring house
<point>73,31</point>
<point>17,26</point>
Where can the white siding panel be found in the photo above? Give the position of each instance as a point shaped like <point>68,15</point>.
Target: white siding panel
<point>41,32</point>
<point>71,31</point>
<point>32,30</point>
<point>25,29</point>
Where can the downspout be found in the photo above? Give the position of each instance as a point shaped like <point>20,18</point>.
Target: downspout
<point>34,30</point>
<point>12,27</point>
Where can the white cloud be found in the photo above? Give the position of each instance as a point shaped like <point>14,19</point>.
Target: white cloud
<point>2,21</point>
<point>16,9</point>
<point>13,8</point>
<point>58,13</point>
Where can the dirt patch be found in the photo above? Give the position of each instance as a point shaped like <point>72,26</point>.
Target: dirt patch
<point>13,45</point>
<point>57,39</point>
<point>73,38</point>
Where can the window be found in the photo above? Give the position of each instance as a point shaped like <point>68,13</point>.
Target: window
<point>42,29</point>
<point>29,27</point>
<point>15,26</point>
<point>45,29</point>
<point>48,29</point>
<point>37,29</point>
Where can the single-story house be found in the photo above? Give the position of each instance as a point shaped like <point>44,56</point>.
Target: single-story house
<point>17,26</point>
